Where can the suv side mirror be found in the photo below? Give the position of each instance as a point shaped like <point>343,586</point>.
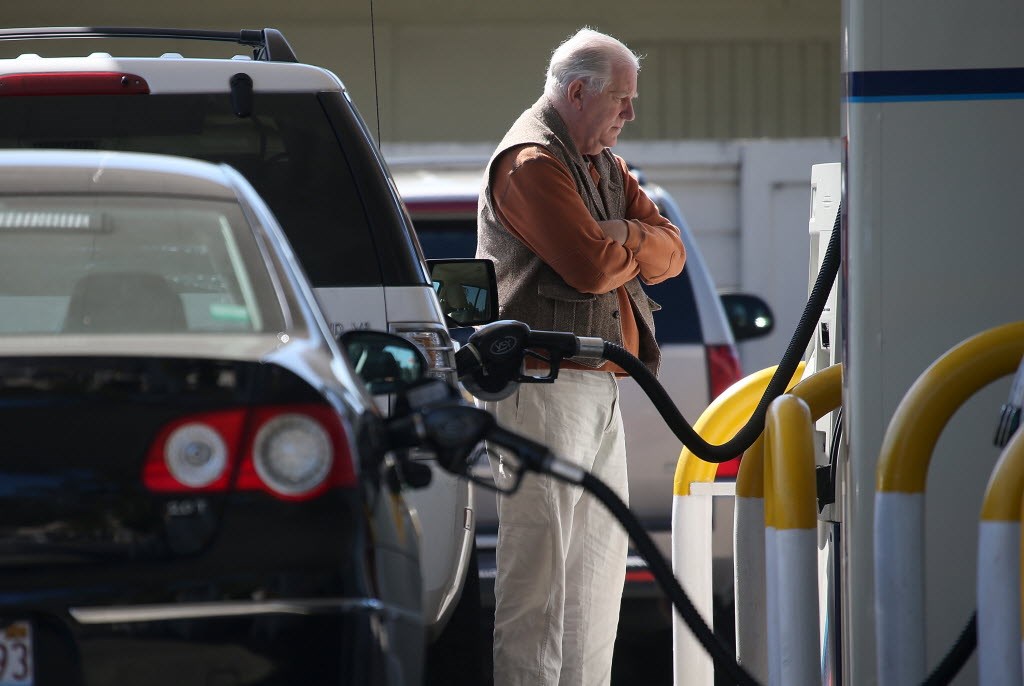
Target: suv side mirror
<point>386,363</point>
<point>467,290</point>
<point>749,315</point>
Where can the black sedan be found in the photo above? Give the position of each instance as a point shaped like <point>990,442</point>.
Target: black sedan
<point>191,491</point>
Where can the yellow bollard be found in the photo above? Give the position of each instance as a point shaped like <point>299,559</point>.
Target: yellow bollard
<point>998,586</point>
<point>791,534</point>
<point>691,517</point>
<point>900,478</point>
<point>822,391</point>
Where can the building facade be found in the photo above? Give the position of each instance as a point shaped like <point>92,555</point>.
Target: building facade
<point>461,70</point>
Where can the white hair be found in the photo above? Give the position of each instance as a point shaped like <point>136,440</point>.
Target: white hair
<point>587,55</point>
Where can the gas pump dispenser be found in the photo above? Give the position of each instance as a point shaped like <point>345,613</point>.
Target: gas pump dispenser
<point>932,104</point>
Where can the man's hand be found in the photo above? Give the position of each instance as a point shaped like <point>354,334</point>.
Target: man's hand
<point>615,229</point>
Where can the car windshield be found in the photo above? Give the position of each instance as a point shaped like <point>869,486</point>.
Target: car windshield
<point>119,264</point>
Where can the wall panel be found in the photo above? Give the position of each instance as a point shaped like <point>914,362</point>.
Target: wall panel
<point>738,89</point>
<point>460,70</point>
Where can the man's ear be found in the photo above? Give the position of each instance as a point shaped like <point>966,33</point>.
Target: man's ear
<point>575,93</point>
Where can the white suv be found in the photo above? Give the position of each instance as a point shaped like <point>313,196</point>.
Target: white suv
<point>293,132</point>
<point>696,339</point>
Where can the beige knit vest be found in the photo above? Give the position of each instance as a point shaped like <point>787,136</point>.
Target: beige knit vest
<point>530,291</point>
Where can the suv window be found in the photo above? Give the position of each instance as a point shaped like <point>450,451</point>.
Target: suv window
<point>678,322</point>
<point>287,149</point>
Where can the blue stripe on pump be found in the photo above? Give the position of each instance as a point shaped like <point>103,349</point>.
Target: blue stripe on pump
<point>935,85</point>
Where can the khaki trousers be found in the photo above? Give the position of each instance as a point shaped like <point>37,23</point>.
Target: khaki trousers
<point>561,557</point>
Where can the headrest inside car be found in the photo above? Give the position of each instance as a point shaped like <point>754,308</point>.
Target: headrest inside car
<point>124,302</point>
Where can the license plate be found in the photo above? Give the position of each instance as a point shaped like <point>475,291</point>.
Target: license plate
<point>16,666</point>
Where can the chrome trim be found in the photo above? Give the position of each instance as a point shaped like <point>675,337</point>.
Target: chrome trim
<point>565,470</point>
<point>297,606</point>
<point>590,346</point>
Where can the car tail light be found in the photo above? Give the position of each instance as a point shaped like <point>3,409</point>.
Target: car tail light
<point>296,452</point>
<point>723,371</point>
<point>639,576</point>
<point>81,83</point>
<point>194,453</point>
<point>293,452</point>
<point>723,368</point>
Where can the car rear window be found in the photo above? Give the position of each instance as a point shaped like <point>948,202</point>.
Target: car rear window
<point>677,322</point>
<point>115,264</point>
<point>288,149</point>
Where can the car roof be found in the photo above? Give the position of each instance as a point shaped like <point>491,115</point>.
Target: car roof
<point>272,64</point>
<point>266,44</point>
<point>457,181</point>
<point>172,73</point>
<point>89,171</point>
<point>455,184</point>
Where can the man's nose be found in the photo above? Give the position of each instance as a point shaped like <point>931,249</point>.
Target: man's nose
<point>627,113</point>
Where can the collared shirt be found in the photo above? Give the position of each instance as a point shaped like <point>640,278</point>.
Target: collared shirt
<point>536,199</point>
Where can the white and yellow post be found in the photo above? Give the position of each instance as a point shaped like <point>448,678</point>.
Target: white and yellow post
<point>900,478</point>
<point>751,615</point>
<point>822,392</point>
<point>691,519</point>
<point>791,543</point>
<point>999,550</point>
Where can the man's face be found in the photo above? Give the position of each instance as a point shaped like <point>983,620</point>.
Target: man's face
<point>602,115</point>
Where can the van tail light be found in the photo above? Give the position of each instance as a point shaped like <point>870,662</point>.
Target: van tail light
<point>293,452</point>
<point>80,83</point>
<point>723,371</point>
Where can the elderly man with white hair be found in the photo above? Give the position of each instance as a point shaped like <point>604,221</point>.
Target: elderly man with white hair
<point>572,235</point>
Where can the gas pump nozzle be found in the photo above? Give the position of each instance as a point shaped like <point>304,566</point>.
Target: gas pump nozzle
<point>1010,412</point>
<point>490,365</point>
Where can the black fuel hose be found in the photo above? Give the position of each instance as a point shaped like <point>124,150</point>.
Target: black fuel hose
<point>721,654</point>
<point>746,436</point>
<point>957,656</point>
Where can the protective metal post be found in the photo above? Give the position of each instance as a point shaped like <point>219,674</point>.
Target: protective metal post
<point>822,392</point>
<point>691,522</point>
<point>999,549</point>
<point>900,479</point>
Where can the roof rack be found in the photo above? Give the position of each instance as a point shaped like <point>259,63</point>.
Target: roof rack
<point>269,45</point>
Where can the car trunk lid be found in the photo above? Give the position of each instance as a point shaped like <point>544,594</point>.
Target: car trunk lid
<point>76,435</point>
